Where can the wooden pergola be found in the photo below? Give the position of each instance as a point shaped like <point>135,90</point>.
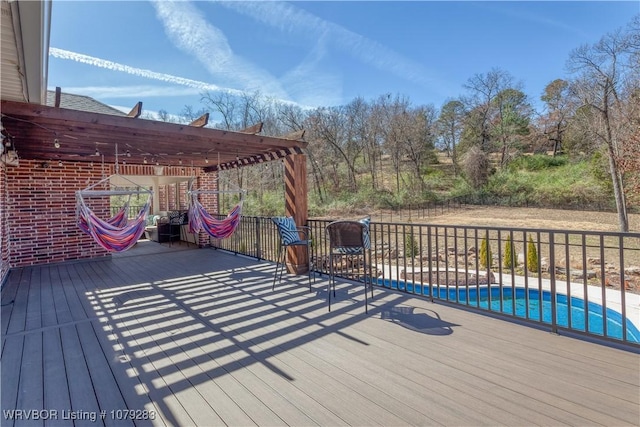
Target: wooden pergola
<point>57,134</point>
<point>54,134</point>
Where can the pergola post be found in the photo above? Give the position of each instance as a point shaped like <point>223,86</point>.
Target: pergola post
<point>295,180</point>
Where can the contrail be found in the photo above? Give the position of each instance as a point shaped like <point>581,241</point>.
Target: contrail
<point>114,66</point>
<point>292,20</point>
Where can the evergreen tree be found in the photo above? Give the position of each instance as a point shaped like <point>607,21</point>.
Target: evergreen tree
<point>485,252</point>
<point>532,256</point>
<point>509,259</point>
<point>411,247</point>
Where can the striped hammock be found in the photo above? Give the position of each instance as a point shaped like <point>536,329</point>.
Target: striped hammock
<point>119,220</point>
<point>116,234</point>
<point>200,219</point>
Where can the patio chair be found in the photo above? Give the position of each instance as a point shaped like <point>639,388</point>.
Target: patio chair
<point>173,228</point>
<point>291,235</point>
<point>349,239</point>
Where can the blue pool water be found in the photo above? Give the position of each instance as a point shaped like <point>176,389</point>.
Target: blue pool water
<point>533,304</point>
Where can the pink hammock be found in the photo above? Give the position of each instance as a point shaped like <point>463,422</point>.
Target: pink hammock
<point>119,220</point>
<point>200,219</point>
<point>116,234</point>
<point>113,237</point>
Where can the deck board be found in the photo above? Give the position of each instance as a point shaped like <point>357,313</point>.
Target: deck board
<point>30,393</point>
<point>63,312</point>
<point>81,388</point>
<point>56,390</point>
<point>9,291</point>
<point>199,338</point>
<point>11,361</point>
<point>18,309</point>
<point>33,319</point>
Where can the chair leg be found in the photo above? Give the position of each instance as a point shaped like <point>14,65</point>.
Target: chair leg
<point>333,281</point>
<point>331,278</point>
<point>370,276</point>
<point>283,262</point>
<point>366,302</point>
<point>309,266</point>
<point>275,276</point>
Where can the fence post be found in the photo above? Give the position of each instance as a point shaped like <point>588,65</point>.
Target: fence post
<point>552,273</point>
<point>258,239</point>
<point>429,257</point>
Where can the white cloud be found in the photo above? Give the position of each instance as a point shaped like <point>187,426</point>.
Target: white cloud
<point>308,83</point>
<point>310,86</point>
<point>189,31</point>
<point>288,18</point>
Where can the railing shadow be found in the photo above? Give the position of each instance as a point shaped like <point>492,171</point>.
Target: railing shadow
<point>215,319</point>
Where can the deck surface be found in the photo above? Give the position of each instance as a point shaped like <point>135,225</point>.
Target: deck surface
<point>198,337</point>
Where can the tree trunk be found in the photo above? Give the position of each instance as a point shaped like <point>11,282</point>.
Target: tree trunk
<point>616,177</point>
<point>618,192</point>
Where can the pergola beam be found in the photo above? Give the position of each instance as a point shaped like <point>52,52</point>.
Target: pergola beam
<point>201,121</point>
<point>136,110</point>
<point>81,133</point>
<point>253,130</point>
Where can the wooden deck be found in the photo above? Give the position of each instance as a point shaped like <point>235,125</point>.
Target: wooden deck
<point>197,337</point>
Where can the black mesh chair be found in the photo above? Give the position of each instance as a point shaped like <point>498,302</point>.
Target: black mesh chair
<point>349,241</point>
<point>173,229</point>
<point>291,235</point>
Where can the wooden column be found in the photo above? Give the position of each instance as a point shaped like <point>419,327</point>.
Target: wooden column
<point>295,179</point>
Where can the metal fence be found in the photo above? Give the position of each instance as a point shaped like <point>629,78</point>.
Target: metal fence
<point>132,212</point>
<point>585,282</point>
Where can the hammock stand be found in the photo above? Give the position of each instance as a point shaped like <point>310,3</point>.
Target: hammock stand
<point>200,219</point>
<point>116,234</point>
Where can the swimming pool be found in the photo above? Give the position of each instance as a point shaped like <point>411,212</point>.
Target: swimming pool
<point>534,305</point>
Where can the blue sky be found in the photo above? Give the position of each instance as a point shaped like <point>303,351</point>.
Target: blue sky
<point>313,53</point>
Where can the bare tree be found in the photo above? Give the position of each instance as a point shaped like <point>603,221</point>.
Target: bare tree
<point>393,128</point>
<point>330,128</point>
<point>602,71</point>
<point>419,137</point>
<point>482,92</point>
<point>374,141</point>
<point>629,157</point>
<point>559,108</point>
<point>511,121</point>
<point>449,129</point>
<point>224,104</point>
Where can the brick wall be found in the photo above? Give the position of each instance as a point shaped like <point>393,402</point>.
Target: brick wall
<point>37,210</point>
<point>4,248</point>
<point>41,225</point>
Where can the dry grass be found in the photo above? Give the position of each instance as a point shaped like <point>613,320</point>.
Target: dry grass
<point>533,218</point>
<point>496,216</point>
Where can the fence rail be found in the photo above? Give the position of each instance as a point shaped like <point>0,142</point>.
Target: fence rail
<point>132,212</point>
<point>585,282</point>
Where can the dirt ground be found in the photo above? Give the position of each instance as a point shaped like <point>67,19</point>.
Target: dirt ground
<point>497,216</point>
<point>510,217</point>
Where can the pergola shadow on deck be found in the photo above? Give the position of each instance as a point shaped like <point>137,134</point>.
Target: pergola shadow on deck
<point>197,337</point>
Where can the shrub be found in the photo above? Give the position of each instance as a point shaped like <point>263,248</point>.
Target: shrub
<point>485,252</point>
<point>476,167</point>
<point>532,256</point>
<point>411,247</point>
<point>509,260</point>
<point>537,162</point>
